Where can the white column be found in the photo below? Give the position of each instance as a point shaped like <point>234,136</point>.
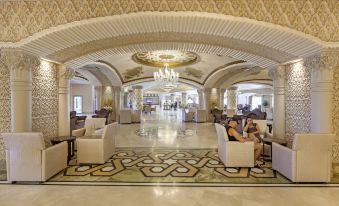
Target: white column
<point>201,98</point>
<point>117,101</point>
<point>184,99</point>
<point>65,74</point>
<point>20,64</point>
<point>221,98</point>
<point>207,101</point>
<point>322,90</point>
<point>278,76</point>
<point>232,98</point>
<point>137,93</point>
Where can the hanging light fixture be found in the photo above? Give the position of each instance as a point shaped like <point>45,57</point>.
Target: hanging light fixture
<point>167,78</point>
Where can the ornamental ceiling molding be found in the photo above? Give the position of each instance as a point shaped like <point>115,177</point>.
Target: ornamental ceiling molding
<point>274,40</point>
<point>26,18</point>
<point>199,48</point>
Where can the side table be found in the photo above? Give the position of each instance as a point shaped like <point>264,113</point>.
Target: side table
<point>70,141</point>
<point>268,141</point>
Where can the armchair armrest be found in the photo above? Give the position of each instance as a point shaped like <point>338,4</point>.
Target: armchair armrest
<point>79,132</point>
<point>284,160</point>
<point>54,159</point>
<point>89,148</point>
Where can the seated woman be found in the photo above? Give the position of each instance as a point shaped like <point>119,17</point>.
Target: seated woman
<point>233,135</point>
<point>252,129</point>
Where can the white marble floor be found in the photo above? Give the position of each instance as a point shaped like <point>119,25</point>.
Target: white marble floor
<point>51,195</point>
<point>165,130</point>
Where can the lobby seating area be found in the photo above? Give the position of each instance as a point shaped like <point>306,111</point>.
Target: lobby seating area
<point>185,102</point>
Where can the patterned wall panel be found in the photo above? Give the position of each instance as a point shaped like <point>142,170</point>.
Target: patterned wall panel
<point>298,99</point>
<point>24,18</point>
<point>45,100</point>
<point>5,106</point>
<point>335,114</point>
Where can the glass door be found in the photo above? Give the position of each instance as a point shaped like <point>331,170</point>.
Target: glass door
<point>77,104</point>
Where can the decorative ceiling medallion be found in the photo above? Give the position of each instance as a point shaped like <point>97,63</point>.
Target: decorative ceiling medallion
<point>158,58</point>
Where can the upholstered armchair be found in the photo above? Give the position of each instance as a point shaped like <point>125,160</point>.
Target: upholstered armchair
<point>263,127</point>
<point>187,116</point>
<point>147,109</point>
<point>98,149</point>
<point>309,160</point>
<point>125,116</point>
<point>200,116</point>
<point>136,116</point>
<point>29,160</point>
<point>92,126</point>
<point>234,153</point>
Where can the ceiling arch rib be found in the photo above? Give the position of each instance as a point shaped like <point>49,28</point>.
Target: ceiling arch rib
<point>102,54</point>
<point>216,25</point>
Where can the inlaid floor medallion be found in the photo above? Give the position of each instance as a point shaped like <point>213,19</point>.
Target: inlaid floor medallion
<point>143,165</point>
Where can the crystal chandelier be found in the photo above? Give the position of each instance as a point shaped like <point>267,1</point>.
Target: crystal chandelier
<point>167,78</point>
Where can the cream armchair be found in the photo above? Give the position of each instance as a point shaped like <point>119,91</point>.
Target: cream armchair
<point>309,160</point>
<point>234,153</point>
<point>97,150</point>
<point>29,160</point>
<point>263,127</point>
<point>187,116</point>
<point>92,127</point>
<point>200,115</point>
<point>125,116</point>
<point>136,116</point>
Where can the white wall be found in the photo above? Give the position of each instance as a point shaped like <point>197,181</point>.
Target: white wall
<point>87,93</point>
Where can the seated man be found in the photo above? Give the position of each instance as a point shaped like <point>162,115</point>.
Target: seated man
<point>233,135</point>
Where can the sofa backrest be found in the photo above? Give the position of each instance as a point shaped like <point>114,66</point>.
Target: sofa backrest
<point>313,142</point>
<point>24,141</point>
<point>221,132</point>
<point>262,125</point>
<point>95,123</point>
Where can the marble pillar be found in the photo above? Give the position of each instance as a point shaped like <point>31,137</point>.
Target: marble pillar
<point>20,65</point>
<point>221,98</point>
<point>278,76</point>
<point>117,101</point>
<point>184,99</point>
<point>207,103</point>
<point>232,98</point>
<point>137,100</point>
<point>321,92</point>
<point>64,74</point>
<point>201,98</point>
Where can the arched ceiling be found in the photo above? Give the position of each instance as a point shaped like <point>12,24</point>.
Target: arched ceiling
<point>22,19</point>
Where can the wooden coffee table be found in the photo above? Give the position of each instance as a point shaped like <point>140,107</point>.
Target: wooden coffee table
<point>269,141</point>
<point>70,141</point>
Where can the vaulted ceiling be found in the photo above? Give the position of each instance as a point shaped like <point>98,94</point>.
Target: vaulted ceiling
<point>235,40</point>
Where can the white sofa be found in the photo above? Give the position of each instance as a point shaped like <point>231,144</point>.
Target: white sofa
<point>93,126</point>
<point>309,160</point>
<point>263,127</point>
<point>136,116</point>
<point>234,153</point>
<point>125,116</point>
<point>187,116</point>
<point>28,159</point>
<point>97,150</point>
<point>200,116</point>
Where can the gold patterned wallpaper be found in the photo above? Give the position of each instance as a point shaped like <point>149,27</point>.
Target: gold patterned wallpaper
<point>5,106</point>
<point>335,113</point>
<point>21,19</point>
<point>298,99</point>
<point>45,100</point>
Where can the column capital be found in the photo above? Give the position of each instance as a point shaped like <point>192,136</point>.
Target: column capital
<point>69,73</point>
<point>18,59</point>
<point>329,59</point>
<point>207,90</point>
<point>277,73</point>
<point>232,88</point>
<point>312,62</point>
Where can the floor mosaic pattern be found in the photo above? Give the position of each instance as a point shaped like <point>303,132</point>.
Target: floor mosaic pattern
<point>146,165</point>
